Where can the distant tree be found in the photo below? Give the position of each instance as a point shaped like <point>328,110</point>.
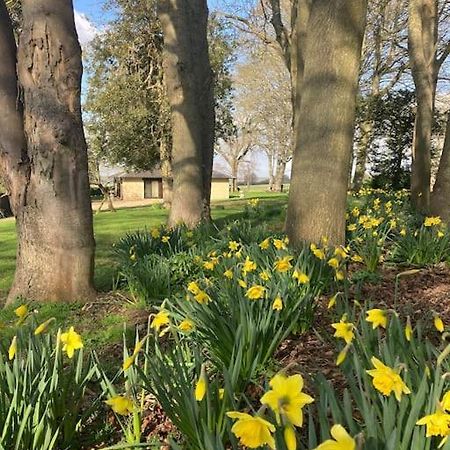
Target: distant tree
<point>43,158</point>
<point>390,159</point>
<point>237,145</point>
<point>264,94</point>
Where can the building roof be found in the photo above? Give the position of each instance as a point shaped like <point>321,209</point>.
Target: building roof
<point>156,173</point>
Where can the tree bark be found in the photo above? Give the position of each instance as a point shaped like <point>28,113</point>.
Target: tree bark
<point>55,250</point>
<point>440,197</point>
<point>166,171</point>
<point>189,82</point>
<point>422,39</point>
<point>279,176</point>
<point>362,148</point>
<point>324,136</point>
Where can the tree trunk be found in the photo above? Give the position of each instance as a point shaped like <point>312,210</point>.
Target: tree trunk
<point>361,153</point>
<point>55,252</point>
<point>166,172</point>
<point>324,138</point>
<point>189,82</point>
<point>422,38</point>
<point>440,197</point>
<point>279,177</point>
<point>271,170</point>
<point>234,166</point>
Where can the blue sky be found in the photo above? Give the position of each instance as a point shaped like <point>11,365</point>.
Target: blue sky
<point>94,9</point>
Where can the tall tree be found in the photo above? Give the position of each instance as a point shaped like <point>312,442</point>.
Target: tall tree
<point>440,197</point>
<point>236,146</point>
<point>189,81</point>
<point>324,136</point>
<point>43,157</point>
<point>264,92</point>
<point>384,61</point>
<point>427,54</point>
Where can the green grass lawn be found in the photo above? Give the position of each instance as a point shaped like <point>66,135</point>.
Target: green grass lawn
<point>110,227</point>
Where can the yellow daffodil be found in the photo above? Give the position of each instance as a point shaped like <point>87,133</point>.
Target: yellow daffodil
<point>290,438</point>
<point>264,245</point>
<point>339,275</point>
<point>301,277</point>
<point>249,266</point>
<point>221,393</point>
<point>71,341</point>
<point>202,297</point>
<point>355,211</point>
<point>201,385</point>
<point>120,405</point>
<point>242,284</point>
<point>351,227</point>
<point>165,239</point>
<point>186,325</point>
<point>438,323</point>
<point>438,424</point>
<point>277,304</point>
<point>341,440</point>
<point>252,431</point>
<point>387,380</point>
<point>155,233</point>
<point>333,262</point>
<point>318,253</point>
<point>256,292</point>
<point>445,402</point>
<point>12,348</point>
<point>342,355</point>
<point>279,244</point>
<point>440,234</point>
<point>209,265</point>
<point>159,320</point>
<point>403,232</point>
<point>377,317</point>
<point>43,327</point>
<point>129,361</point>
<point>341,252</point>
<point>332,301</point>
<point>264,276</point>
<point>21,311</point>
<point>228,274</point>
<point>233,246</point>
<point>283,264</point>
<point>286,398</point>
<point>344,330</point>
<point>432,221</point>
<point>193,287</point>
<point>408,330</point>
<point>357,259</point>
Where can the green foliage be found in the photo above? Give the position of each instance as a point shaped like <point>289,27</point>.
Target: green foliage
<point>386,423</point>
<point>423,247</point>
<point>42,394</point>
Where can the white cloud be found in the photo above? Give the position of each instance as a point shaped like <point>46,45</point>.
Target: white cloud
<point>85,28</point>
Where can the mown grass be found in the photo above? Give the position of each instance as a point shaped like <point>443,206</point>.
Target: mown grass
<point>110,227</point>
